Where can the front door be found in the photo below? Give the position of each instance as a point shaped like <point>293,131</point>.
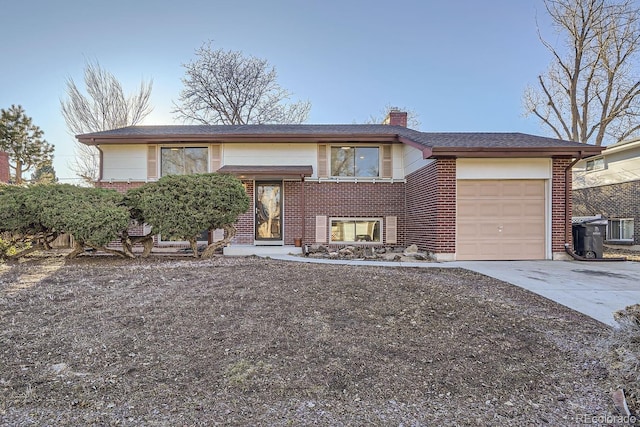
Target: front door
<point>268,212</point>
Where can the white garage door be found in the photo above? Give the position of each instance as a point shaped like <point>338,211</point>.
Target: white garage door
<point>500,219</point>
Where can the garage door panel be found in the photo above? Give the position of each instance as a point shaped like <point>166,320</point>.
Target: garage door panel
<point>501,219</point>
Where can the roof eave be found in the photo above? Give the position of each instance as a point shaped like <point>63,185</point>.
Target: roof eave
<point>506,152</point>
<point>90,139</point>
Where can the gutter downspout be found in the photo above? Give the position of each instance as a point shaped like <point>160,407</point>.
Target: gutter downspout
<point>303,208</point>
<point>567,217</point>
<point>567,191</point>
<point>100,172</point>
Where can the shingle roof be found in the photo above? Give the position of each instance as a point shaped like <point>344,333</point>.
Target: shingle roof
<point>433,141</point>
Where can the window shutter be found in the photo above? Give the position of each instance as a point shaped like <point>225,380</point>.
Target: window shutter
<point>387,165</point>
<point>391,229</point>
<point>216,157</point>
<point>321,229</point>
<point>152,162</point>
<point>323,172</point>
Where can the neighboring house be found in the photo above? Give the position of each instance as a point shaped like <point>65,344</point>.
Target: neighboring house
<point>609,185</point>
<point>461,196</point>
<point>4,167</point>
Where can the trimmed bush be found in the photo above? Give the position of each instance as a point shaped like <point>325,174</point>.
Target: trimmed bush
<point>182,206</point>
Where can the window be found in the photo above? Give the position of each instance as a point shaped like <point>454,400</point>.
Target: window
<point>183,160</point>
<point>360,230</point>
<point>202,238</point>
<point>595,164</point>
<point>355,161</point>
<point>620,229</point>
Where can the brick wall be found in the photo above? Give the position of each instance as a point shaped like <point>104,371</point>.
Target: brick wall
<point>244,225</point>
<point>345,199</point>
<point>611,201</point>
<point>560,228</point>
<point>349,199</point>
<point>4,167</point>
<point>431,207</point>
<point>120,187</point>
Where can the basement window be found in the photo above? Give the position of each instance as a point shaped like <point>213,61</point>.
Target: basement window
<point>620,229</point>
<point>356,230</point>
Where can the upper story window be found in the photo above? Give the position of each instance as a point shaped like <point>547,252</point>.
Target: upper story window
<point>595,164</point>
<point>183,160</point>
<point>355,161</point>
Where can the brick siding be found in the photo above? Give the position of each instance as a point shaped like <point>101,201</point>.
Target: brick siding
<point>4,167</point>
<point>345,199</point>
<point>611,201</point>
<point>244,225</point>
<point>120,187</point>
<point>431,207</point>
<point>560,228</point>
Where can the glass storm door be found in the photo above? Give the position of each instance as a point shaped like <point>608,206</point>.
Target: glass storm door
<point>268,211</point>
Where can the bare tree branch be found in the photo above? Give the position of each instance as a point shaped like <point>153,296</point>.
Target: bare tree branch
<point>226,87</point>
<point>413,120</point>
<point>591,90</point>
<point>104,106</point>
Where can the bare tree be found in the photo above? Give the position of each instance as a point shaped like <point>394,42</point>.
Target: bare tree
<point>591,92</point>
<point>226,87</point>
<point>413,120</point>
<point>104,106</point>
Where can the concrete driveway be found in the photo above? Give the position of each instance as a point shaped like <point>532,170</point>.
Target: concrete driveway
<point>596,289</point>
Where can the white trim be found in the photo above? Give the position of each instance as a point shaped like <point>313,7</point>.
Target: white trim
<point>516,168</point>
<point>374,180</point>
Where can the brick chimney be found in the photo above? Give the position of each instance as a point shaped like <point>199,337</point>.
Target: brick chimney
<point>4,167</point>
<point>396,118</point>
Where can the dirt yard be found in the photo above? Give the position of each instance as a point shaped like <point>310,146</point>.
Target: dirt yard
<point>248,341</point>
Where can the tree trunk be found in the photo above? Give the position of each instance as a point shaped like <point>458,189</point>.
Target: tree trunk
<point>229,233</point>
<point>127,244</point>
<point>194,247</point>
<point>33,248</point>
<point>121,254</point>
<point>78,248</point>
<point>147,243</point>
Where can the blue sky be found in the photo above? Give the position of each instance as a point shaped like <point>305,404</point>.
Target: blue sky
<point>462,65</point>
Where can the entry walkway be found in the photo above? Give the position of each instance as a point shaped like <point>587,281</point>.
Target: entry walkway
<point>596,289</point>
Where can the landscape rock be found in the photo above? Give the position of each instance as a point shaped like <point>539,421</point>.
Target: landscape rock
<point>410,250</point>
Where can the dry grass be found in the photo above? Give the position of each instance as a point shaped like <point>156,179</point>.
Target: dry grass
<point>100,341</point>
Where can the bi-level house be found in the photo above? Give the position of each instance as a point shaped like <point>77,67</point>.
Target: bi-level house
<point>609,185</point>
<point>460,196</point>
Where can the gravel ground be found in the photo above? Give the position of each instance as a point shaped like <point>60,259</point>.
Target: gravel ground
<point>247,341</point>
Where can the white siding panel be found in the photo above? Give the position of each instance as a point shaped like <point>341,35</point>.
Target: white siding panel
<point>124,162</point>
<point>617,171</point>
<point>276,154</point>
<point>412,159</point>
<point>534,168</point>
<point>398,161</point>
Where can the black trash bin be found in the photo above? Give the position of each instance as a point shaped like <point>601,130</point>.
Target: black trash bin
<point>588,239</point>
